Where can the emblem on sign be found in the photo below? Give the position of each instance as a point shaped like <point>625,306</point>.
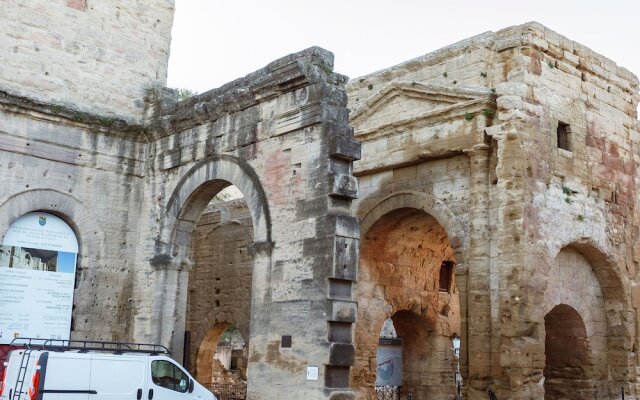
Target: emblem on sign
<point>42,221</point>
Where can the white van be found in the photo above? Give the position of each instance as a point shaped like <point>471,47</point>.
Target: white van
<point>83,370</point>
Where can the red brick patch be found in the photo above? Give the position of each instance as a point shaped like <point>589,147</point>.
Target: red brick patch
<point>77,4</point>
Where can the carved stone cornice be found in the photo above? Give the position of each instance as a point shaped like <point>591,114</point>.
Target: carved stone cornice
<point>452,103</point>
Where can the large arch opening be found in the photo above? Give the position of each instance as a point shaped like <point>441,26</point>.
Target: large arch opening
<point>197,198</point>
<point>217,325</point>
<point>406,274</point>
<point>568,364</point>
<point>584,289</point>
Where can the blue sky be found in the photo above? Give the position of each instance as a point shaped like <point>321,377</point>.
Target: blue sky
<point>215,42</point>
<point>66,262</point>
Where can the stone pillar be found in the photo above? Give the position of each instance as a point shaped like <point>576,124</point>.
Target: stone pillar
<point>170,290</point>
<point>282,136</point>
<point>305,324</point>
<point>476,344</point>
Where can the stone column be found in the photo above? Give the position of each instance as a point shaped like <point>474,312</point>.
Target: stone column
<point>170,293</point>
<point>476,344</point>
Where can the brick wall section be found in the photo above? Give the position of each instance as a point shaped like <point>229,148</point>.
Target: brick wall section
<point>98,56</point>
<point>220,281</point>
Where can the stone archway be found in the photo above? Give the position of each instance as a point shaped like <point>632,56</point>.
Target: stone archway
<point>220,284</point>
<point>81,219</point>
<point>583,288</point>
<point>189,199</point>
<point>206,352</point>
<point>402,257</point>
<point>199,185</point>
<point>568,363</point>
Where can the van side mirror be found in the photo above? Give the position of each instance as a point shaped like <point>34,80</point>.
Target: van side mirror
<point>191,385</point>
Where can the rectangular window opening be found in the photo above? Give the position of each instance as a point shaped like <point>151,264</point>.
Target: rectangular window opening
<point>285,343</point>
<point>564,136</point>
<point>446,273</point>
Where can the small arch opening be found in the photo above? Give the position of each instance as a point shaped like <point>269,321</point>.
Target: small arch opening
<point>568,364</point>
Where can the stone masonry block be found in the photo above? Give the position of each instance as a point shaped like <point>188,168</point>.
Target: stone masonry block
<point>341,143</point>
<point>342,311</point>
<point>346,258</point>
<point>341,354</point>
<point>343,185</point>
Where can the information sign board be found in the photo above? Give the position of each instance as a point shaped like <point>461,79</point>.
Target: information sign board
<point>37,274</point>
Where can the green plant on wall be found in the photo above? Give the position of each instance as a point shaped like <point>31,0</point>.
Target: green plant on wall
<point>184,93</point>
<point>487,112</point>
<point>567,193</point>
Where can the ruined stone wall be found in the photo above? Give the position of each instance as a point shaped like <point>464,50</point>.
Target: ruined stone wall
<point>280,136</point>
<point>220,281</point>
<point>421,125</point>
<point>132,194</point>
<point>467,135</point>
<point>570,194</point>
<point>88,174</point>
<point>527,199</point>
<point>94,56</point>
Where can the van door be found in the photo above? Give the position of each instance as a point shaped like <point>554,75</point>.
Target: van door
<point>119,377</point>
<point>66,376</point>
<point>168,381</point>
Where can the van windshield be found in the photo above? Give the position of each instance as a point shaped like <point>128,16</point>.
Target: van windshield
<point>168,375</point>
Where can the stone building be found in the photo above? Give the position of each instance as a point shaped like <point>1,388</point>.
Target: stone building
<point>514,155</point>
<point>485,191</point>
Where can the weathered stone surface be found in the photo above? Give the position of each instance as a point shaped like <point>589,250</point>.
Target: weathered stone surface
<point>220,281</point>
<point>99,58</point>
<point>473,215</point>
<point>535,218</point>
<point>134,193</point>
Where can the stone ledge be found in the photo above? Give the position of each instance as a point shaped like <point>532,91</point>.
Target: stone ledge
<point>68,116</point>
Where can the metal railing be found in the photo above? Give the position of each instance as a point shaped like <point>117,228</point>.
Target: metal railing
<point>228,391</point>
<point>387,392</point>
<point>580,394</point>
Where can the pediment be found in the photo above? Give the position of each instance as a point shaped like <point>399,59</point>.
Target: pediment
<point>407,101</point>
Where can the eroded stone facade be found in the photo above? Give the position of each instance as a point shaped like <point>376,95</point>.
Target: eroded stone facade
<point>99,57</point>
<point>523,146</point>
<point>132,193</point>
<point>508,161</point>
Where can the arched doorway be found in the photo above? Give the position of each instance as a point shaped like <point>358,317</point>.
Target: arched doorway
<point>568,364</point>
<point>219,291</point>
<point>406,274</point>
<point>583,338</point>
